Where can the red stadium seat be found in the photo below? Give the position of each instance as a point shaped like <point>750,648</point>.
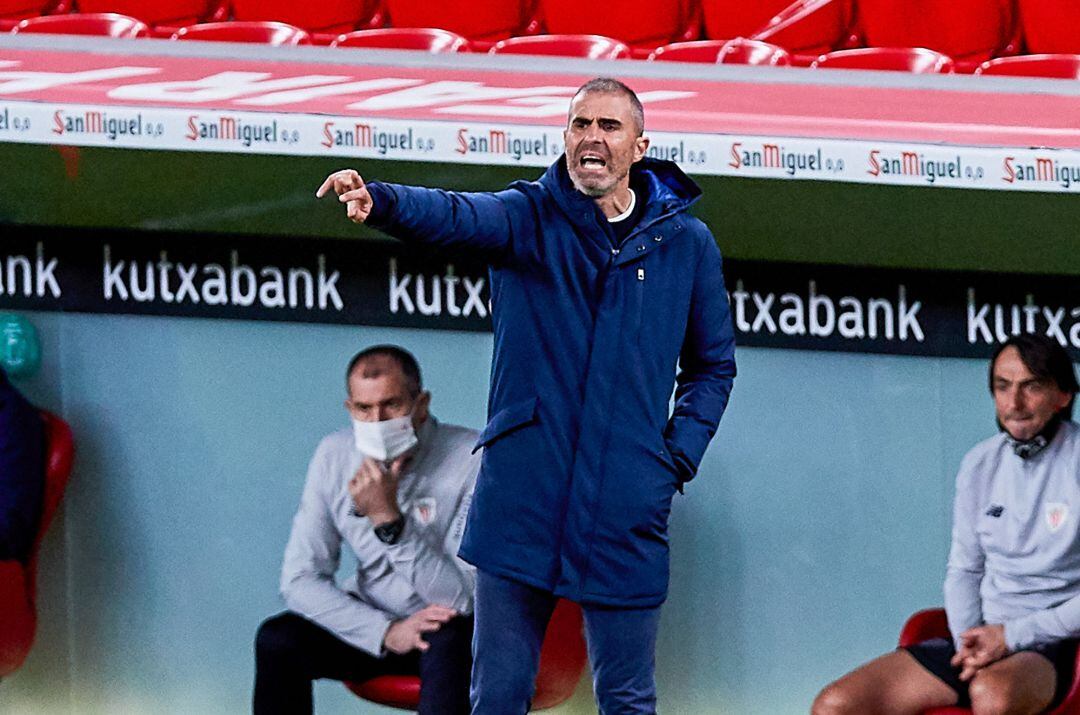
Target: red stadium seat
<point>932,623</point>
<point>325,19</point>
<point>969,31</point>
<point>696,51</point>
<point>484,20</point>
<point>562,661</point>
<point>894,59</point>
<point>18,583</point>
<point>741,51</point>
<point>641,24</point>
<point>1051,26</point>
<point>725,19</point>
<point>812,27</point>
<point>267,33</point>
<point>172,14</point>
<point>427,39</point>
<point>14,11</point>
<point>592,47</point>
<point>103,24</point>
<point>1051,66</point>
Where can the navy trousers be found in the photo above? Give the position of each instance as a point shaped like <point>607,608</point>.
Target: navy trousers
<point>511,618</point>
<point>291,652</point>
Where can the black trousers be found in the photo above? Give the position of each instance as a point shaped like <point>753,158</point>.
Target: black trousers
<point>291,652</point>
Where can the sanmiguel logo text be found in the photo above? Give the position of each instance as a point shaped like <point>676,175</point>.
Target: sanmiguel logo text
<point>95,122</point>
<point>231,129</point>
<point>496,141</point>
<point>774,156</point>
<point>1043,170</point>
<point>910,163</point>
<point>365,136</point>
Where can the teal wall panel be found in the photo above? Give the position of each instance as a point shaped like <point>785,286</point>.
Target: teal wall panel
<point>819,520</point>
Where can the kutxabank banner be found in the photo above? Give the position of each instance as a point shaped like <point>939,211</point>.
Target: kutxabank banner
<point>383,283</point>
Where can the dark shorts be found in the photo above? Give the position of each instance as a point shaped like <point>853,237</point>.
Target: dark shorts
<point>935,654</point>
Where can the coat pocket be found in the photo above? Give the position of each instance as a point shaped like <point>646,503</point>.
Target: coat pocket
<point>508,419</point>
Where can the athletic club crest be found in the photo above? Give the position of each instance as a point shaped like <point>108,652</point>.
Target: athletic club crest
<point>1056,515</point>
<point>424,510</point>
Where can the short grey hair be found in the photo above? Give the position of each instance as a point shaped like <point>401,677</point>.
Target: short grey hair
<point>610,85</point>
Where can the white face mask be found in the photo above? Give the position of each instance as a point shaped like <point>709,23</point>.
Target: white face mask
<point>387,440</point>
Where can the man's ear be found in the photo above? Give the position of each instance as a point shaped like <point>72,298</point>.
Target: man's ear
<point>421,408</point>
<point>641,145</point>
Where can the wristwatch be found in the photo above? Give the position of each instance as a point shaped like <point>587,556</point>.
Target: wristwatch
<point>390,532</point>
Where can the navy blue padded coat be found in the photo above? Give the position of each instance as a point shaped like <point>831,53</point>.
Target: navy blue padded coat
<point>581,456</point>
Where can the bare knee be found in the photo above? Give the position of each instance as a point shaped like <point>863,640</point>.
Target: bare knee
<point>989,696</point>
<point>836,699</point>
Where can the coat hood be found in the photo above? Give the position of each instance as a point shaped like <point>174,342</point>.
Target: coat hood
<point>670,189</point>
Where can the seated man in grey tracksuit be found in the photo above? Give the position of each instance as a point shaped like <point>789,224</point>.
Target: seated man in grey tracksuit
<point>1012,587</point>
<point>395,489</point>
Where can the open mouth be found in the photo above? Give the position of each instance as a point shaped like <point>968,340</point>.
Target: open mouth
<point>592,161</point>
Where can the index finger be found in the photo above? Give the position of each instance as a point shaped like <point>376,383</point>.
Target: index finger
<point>428,626</point>
<point>439,613</point>
<point>330,181</point>
<point>325,185</point>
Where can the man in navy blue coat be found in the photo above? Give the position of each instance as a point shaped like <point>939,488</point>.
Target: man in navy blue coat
<point>602,283</point>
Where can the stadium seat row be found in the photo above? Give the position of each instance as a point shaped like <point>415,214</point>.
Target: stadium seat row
<point>963,29</point>
<point>737,51</point>
<point>947,35</point>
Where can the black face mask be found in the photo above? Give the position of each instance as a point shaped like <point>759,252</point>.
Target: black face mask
<point>1026,449</point>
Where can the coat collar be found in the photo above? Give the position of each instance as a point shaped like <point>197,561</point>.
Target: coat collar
<point>669,191</point>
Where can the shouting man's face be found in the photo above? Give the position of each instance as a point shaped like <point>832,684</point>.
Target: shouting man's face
<point>602,141</point>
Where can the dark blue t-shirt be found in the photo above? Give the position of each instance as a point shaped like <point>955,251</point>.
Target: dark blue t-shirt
<point>22,472</point>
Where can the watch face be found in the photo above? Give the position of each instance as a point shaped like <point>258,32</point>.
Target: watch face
<point>389,533</point>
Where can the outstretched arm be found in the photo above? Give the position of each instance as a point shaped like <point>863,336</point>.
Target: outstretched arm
<point>476,222</point>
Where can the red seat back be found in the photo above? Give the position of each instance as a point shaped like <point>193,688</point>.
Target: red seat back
<point>324,16</point>
<point>593,47</point>
<point>811,27</point>
<point>1051,26</point>
<point>562,661</point>
<point>738,51</point>
<point>741,51</point>
<point>562,657</point>
<point>639,23</point>
<point>428,39</point>
<point>103,25</point>
<point>477,20</point>
<point>267,33</point>
<point>726,19</point>
<point>153,12</point>
<point>59,457</point>
<point>1051,66</point>
<point>20,9</point>
<point>966,30</point>
<point>696,51</point>
<point>895,59</point>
